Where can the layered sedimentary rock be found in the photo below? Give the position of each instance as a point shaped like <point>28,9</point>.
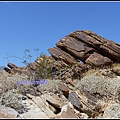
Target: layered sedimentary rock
<point>84,47</point>
<point>84,44</point>
<point>106,47</point>
<point>60,54</point>
<point>96,95</point>
<point>15,69</point>
<point>96,59</point>
<point>75,48</point>
<point>88,48</point>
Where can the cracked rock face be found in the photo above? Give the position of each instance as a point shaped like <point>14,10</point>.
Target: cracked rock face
<point>67,93</point>
<point>79,46</point>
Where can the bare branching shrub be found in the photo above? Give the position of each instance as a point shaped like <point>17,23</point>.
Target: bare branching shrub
<point>45,66</point>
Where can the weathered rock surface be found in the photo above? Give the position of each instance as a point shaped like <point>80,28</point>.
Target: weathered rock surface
<point>75,72</point>
<point>76,48</point>
<point>94,96</point>
<point>64,89</point>
<point>20,70</point>
<point>75,100</point>
<point>67,93</point>
<point>90,48</point>
<point>85,46</point>
<point>106,47</point>
<point>53,99</point>
<point>7,112</point>
<point>84,102</point>
<point>97,60</point>
<point>61,55</point>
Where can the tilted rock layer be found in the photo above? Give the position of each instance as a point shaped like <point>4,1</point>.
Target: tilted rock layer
<point>89,48</point>
<point>95,95</point>
<point>85,47</point>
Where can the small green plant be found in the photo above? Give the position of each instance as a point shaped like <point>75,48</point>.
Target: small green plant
<point>44,68</point>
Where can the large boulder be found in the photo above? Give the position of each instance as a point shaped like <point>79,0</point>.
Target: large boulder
<point>106,47</point>
<point>75,48</point>
<point>97,60</point>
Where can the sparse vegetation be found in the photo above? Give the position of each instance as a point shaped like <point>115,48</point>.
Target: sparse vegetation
<point>13,100</point>
<point>45,68</point>
<point>114,66</point>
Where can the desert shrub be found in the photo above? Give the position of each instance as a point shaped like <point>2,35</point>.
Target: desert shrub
<point>13,100</point>
<point>45,65</point>
<point>44,68</point>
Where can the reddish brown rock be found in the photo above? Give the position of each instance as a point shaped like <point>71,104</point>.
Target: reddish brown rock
<point>86,46</point>
<point>64,89</point>
<point>33,65</point>
<point>62,55</point>
<point>59,64</point>
<point>106,47</point>
<point>87,94</point>
<point>78,69</point>
<point>7,70</point>
<point>75,72</point>
<point>96,59</point>
<point>20,70</point>
<point>11,65</point>
<point>75,47</point>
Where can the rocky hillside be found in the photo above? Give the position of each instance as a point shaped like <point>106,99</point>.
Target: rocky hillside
<point>77,52</point>
<point>81,79</point>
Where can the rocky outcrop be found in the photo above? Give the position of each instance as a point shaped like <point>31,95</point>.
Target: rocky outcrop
<point>83,44</point>
<point>75,48</point>
<point>87,47</point>
<point>96,95</point>
<point>15,69</point>
<point>73,55</point>
<point>67,93</point>
<point>60,54</point>
<point>106,47</point>
<point>97,60</point>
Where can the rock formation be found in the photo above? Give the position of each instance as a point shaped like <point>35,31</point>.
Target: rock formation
<point>78,52</point>
<point>68,94</point>
<point>89,48</point>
